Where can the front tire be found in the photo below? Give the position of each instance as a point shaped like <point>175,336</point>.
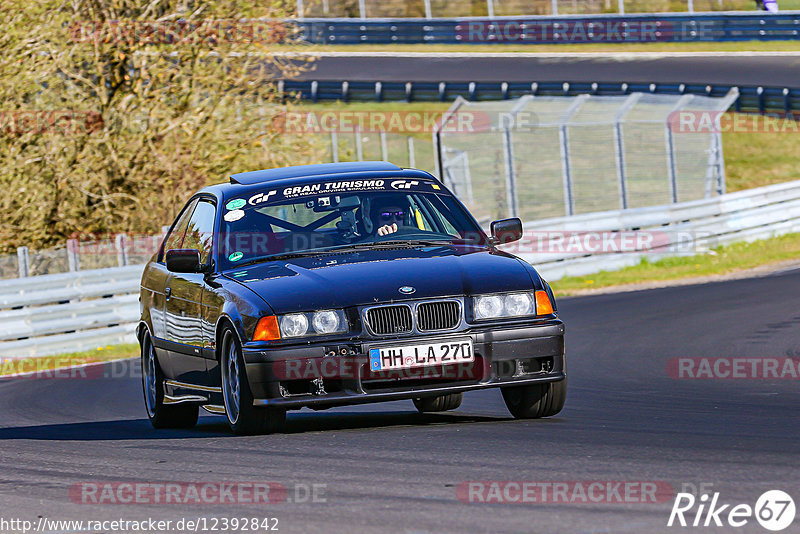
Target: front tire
<point>161,415</point>
<point>442,403</point>
<point>243,417</point>
<point>536,400</point>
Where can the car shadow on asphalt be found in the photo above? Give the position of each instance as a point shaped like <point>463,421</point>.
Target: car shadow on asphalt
<point>214,427</point>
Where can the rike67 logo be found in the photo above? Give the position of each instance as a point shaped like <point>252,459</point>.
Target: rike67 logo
<point>774,510</point>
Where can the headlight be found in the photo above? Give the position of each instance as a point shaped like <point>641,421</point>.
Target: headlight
<point>326,322</point>
<point>488,307</point>
<point>508,305</point>
<point>294,325</point>
<point>313,323</point>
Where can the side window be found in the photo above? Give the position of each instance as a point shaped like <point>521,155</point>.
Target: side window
<point>200,232</point>
<point>175,237</point>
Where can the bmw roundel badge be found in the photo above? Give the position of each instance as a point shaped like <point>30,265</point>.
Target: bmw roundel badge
<point>407,290</point>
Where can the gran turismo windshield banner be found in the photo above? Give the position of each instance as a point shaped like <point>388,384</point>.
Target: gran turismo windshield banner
<point>276,196</point>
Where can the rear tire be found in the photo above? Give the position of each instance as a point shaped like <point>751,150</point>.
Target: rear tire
<point>442,403</point>
<point>536,400</point>
<point>243,418</point>
<point>161,415</point>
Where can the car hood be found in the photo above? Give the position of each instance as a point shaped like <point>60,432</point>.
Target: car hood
<point>366,277</point>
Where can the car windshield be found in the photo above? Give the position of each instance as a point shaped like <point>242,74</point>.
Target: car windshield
<point>315,218</point>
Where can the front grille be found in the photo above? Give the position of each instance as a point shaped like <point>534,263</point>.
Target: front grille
<point>442,315</point>
<point>390,319</point>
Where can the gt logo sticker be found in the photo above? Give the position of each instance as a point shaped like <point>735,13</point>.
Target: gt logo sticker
<point>403,184</point>
<point>259,198</point>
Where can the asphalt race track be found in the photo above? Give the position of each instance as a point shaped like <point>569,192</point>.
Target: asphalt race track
<point>749,69</point>
<point>388,469</point>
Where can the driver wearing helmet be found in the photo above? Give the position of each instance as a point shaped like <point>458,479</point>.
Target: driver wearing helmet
<point>389,213</point>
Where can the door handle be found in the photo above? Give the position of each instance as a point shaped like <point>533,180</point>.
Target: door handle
<point>168,292</point>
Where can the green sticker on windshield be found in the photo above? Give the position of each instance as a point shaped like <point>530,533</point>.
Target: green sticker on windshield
<point>236,256</point>
<point>235,204</point>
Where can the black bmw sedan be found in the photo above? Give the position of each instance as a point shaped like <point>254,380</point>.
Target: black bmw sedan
<point>339,284</point>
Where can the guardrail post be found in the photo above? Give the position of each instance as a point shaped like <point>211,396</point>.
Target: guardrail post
<point>428,13</point>
<point>554,7</point>
<point>691,6</point>
<point>73,259</point>
<point>490,8</point>
<point>362,9</point>
<point>621,7</point>
<point>121,244</point>
<point>412,159</point>
<point>300,10</point>
<point>23,260</point>
<point>335,146</point>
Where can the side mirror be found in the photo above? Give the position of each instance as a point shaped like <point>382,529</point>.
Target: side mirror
<point>506,231</point>
<point>183,260</point>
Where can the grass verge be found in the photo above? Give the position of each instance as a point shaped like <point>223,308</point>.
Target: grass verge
<point>720,261</point>
<point>42,364</point>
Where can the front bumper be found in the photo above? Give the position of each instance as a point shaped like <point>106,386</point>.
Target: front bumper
<point>309,375</point>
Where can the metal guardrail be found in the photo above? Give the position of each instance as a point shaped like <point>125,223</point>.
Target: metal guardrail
<point>667,27</point>
<point>68,312</point>
<point>83,310</point>
<point>680,229</point>
<point>752,99</point>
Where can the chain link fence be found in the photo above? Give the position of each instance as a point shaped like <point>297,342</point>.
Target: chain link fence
<point>500,8</point>
<point>552,156</point>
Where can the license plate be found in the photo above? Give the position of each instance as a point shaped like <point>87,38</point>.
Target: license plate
<point>407,356</point>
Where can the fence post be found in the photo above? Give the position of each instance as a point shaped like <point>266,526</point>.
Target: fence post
<point>619,147</point>
<point>412,159</point>
<point>511,185</point>
<point>566,167</point>
<point>121,244</point>
<point>73,259</point>
<point>23,260</point>
<point>384,148</point>
<point>672,170</point>
<point>335,146</point>
<point>359,146</point>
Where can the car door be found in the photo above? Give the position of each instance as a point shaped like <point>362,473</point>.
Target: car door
<point>184,296</point>
<point>155,283</point>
